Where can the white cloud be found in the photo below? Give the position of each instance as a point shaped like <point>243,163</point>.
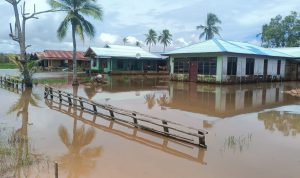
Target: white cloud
<point>108,38</point>
<point>182,41</point>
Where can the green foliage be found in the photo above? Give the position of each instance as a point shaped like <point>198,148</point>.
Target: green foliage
<point>165,38</point>
<point>8,65</point>
<point>151,38</point>
<point>282,31</point>
<point>31,66</point>
<point>210,29</point>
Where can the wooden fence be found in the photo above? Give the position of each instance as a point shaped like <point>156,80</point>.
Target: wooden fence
<point>135,119</point>
<point>14,83</point>
<point>149,139</point>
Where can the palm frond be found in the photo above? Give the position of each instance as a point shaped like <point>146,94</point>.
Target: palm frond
<point>64,136</point>
<point>61,5</point>
<point>88,28</point>
<point>63,28</point>
<point>93,10</point>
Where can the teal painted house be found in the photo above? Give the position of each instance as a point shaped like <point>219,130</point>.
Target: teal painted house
<point>117,59</point>
<point>220,61</point>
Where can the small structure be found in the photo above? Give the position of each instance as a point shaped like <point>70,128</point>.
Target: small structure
<point>57,59</point>
<point>116,59</point>
<point>220,61</point>
<point>292,67</point>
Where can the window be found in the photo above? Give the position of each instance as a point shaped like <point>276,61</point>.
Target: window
<point>278,67</point>
<point>266,67</point>
<point>207,66</point>
<point>181,66</point>
<point>231,65</point>
<point>249,66</point>
<point>94,62</point>
<point>120,64</point>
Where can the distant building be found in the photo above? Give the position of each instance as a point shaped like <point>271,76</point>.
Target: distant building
<point>220,61</point>
<point>117,59</point>
<point>57,59</point>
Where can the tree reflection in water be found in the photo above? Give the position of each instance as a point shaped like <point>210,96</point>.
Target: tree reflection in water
<point>163,101</point>
<point>285,122</point>
<point>150,100</point>
<point>22,159</point>
<point>79,161</point>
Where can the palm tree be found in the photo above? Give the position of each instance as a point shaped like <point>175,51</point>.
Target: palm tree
<point>210,29</point>
<point>165,38</point>
<point>138,44</point>
<point>125,41</point>
<point>151,38</point>
<point>76,9</point>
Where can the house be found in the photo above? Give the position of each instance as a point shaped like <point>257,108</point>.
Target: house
<point>57,59</point>
<point>292,66</point>
<point>220,61</point>
<point>117,59</point>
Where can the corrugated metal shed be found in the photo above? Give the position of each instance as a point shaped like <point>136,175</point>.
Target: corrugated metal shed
<point>222,46</point>
<point>122,51</point>
<point>60,55</point>
<point>293,51</point>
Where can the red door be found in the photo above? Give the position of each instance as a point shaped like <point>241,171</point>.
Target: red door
<point>193,70</point>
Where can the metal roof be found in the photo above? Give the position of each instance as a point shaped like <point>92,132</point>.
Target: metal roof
<point>222,46</point>
<point>122,51</point>
<point>60,55</point>
<point>293,51</point>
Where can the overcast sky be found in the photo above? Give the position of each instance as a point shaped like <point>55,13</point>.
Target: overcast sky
<point>241,21</point>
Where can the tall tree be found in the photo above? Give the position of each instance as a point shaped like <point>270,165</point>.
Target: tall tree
<point>151,38</point>
<point>125,41</point>
<point>281,32</point>
<point>76,10</point>
<point>19,35</point>
<point>210,29</point>
<point>165,38</point>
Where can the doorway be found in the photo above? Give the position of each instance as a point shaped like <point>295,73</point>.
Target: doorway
<point>193,70</point>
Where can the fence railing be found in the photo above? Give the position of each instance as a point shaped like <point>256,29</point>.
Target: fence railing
<point>15,83</point>
<point>135,119</point>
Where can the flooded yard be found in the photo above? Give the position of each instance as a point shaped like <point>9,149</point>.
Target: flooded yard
<point>253,131</point>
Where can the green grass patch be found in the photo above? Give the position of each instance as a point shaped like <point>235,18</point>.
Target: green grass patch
<point>8,65</point>
<point>50,81</point>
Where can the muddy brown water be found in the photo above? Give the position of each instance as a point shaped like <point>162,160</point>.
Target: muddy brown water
<point>254,131</point>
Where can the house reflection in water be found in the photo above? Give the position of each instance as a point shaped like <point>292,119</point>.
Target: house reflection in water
<point>285,122</point>
<point>226,101</point>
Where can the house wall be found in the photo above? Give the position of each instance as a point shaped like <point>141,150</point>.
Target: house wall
<point>240,77</point>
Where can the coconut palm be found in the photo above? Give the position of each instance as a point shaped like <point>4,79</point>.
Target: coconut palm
<point>151,38</point>
<point>165,38</point>
<point>125,41</point>
<point>210,29</point>
<point>76,10</point>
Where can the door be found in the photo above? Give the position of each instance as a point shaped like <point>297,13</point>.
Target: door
<point>193,70</point>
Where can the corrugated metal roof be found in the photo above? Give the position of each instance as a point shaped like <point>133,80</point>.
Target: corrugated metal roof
<point>222,46</point>
<point>60,55</point>
<point>122,51</point>
<point>293,51</point>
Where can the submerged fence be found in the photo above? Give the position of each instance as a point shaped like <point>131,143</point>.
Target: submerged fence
<point>135,119</point>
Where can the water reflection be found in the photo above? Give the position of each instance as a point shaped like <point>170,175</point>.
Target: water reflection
<point>150,100</point>
<point>80,159</point>
<point>25,160</point>
<point>149,139</point>
<point>285,122</point>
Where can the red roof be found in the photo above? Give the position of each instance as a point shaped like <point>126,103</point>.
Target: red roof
<point>60,55</point>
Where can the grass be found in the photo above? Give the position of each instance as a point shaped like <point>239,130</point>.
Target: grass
<point>8,65</point>
<point>50,81</point>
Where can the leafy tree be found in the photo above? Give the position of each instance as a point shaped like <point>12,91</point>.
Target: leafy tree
<point>165,38</point>
<point>210,29</point>
<point>281,32</point>
<point>151,38</point>
<point>76,10</point>
<point>125,41</point>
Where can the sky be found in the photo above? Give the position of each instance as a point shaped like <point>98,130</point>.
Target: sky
<point>241,21</point>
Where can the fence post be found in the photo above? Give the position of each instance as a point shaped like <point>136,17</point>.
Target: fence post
<point>46,93</point>
<point>166,129</point>
<point>111,114</point>
<point>56,169</point>
<point>69,100</point>
<point>59,95</point>
<point>95,108</point>
<point>134,119</point>
<point>81,103</point>
<point>202,139</point>
<point>51,93</point>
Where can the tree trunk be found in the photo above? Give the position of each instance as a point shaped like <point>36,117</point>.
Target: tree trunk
<point>75,81</point>
<point>164,48</point>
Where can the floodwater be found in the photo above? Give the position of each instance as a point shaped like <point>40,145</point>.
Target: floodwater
<point>253,131</point>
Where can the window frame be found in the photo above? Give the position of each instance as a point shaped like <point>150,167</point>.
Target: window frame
<point>250,65</point>
<point>181,66</point>
<point>233,66</point>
